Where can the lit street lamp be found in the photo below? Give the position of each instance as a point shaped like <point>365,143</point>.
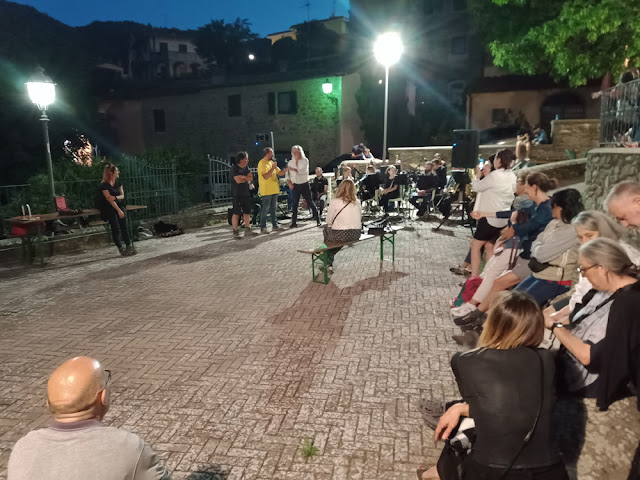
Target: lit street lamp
<point>387,50</point>
<point>42,92</point>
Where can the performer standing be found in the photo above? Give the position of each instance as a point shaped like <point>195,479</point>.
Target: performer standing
<point>268,173</point>
<point>299,183</point>
<point>241,178</point>
<point>110,193</point>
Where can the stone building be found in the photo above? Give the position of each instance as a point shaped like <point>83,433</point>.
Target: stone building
<point>336,24</point>
<point>223,119</point>
<point>165,54</point>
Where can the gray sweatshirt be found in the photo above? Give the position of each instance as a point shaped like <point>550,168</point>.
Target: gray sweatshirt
<point>558,245</point>
<point>84,450</point>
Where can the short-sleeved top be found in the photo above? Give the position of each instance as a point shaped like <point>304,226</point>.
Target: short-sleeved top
<point>239,189</point>
<point>389,183</point>
<point>268,186</point>
<point>102,203</point>
<point>318,184</point>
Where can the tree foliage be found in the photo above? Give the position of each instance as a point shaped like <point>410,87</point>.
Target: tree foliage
<point>224,44</point>
<point>573,39</point>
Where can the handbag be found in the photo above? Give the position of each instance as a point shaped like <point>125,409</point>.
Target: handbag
<point>536,267</point>
<point>327,231</point>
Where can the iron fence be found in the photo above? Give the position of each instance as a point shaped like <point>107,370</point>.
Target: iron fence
<point>219,181</point>
<point>620,114</point>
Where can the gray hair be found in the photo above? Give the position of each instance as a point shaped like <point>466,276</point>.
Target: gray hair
<point>622,189</point>
<point>610,255</point>
<point>596,221</point>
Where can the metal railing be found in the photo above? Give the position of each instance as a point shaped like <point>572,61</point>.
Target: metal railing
<point>219,187</point>
<point>620,115</point>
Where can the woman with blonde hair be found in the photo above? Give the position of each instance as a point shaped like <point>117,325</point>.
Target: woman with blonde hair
<point>344,219</point>
<point>110,192</point>
<point>298,180</point>
<point>507,385</point>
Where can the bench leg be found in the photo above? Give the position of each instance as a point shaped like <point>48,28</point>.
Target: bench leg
<point>391,238</point>
<point>321,258</point>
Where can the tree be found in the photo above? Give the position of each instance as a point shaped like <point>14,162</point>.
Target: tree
<point>573,39</point>
<point>224,44</point>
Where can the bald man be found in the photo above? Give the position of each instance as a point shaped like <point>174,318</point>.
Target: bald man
<point>77,445</point>
<point>623,202</point>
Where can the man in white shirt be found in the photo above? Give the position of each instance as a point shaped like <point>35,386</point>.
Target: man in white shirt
<point>298,180</point>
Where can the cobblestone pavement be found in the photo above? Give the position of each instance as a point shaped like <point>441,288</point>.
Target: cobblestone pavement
<point>226,358</point>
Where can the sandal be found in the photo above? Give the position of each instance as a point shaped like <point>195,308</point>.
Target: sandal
<point>431,412</point>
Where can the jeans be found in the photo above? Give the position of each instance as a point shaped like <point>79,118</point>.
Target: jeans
<point>118,227</point>
<point>269,204</point>
<point>541,290</point>
<point>302,189</point>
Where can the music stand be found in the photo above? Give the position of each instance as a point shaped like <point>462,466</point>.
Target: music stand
<point>461,178</point>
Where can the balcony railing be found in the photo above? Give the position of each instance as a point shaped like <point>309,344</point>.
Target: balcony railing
<point>620,115</point>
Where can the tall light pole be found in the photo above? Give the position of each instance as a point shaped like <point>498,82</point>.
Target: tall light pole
<point>387,50</point>
<point>42,92</point>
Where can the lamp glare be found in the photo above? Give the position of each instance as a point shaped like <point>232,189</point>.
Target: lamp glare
<point>388,48</point>
<point>327,88</point>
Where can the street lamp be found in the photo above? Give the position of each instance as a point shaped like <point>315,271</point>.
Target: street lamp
<point>387,50</point>
<point>42,92</point>
<point>252,56</point>
<point>327,88</point>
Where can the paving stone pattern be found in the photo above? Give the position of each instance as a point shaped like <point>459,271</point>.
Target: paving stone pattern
<point>226,357</point>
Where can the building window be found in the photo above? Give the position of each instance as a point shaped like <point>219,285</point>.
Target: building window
<point>288,102</point>
<point>159,122</point>
<point>182,48</point>
<point>234,104</point>
<point>271,103</point>
<point>499,116</point>
<point>164,47</point>
<point>459,45</point>
<point>433,6</point>
<point>456,92</point>
<point>459,5</point>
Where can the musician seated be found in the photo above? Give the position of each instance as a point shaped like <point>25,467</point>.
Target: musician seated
<point>390,190</point>
<point>319,187</point>
<point>427,183</point>
<point>369,184</point>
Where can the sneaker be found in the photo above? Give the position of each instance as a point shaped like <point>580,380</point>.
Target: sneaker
<point>468,318</point>
<point>477,323</point>
<point>468,340</point>
<point>318,223</point>
<point>264,231</point>
<point>132,250</point>
<point>236,234</point>
<point>431,412</point>
<point>463,309</point>
<point>249,233</point>
<point>460,271</point>
<point>125,252</point>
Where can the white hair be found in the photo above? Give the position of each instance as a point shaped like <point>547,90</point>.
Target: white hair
<point>623,189</point>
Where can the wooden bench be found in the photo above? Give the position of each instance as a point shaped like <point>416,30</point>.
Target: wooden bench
<point>34,227</point>
<point>319,254</point>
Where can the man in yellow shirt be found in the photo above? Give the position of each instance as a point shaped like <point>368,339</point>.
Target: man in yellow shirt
<point>268,173</point>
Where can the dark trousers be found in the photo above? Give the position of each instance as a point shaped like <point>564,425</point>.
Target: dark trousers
<point>318,201</point>
<point>303,189</point>
<point>386,198</point>
<point>421,203</point>
<point>118,227</point>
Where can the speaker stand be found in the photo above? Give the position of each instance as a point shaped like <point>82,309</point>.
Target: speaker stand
<point>463,206</point>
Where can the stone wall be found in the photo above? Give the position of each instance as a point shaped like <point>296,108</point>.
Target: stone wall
<point>577,135</point>
<point>567,172</point>
<point>605,168</point>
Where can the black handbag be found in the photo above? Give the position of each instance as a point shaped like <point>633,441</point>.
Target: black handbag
<point>536,267</point>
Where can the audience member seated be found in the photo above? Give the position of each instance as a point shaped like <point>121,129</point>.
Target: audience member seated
<point>390,190</point>
<point>369,184</point>
<point>494,194</point>
<point>344,219</point>
<point>357,152</point>
<point>613,276</point>
<point>566,205</point>
<point>554,254</point>
<point>512,418</point>
<point>539,136</point>
<point>319,187</point>
<point>523,142</point>
<point>77,445</point>
<point>367,155</point>
<point>427,183</point>
<point>623,202</point>
<point>589,225</point>
<point>527,217</point>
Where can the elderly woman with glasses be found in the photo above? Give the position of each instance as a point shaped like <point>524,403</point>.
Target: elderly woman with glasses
<point>601,338</point>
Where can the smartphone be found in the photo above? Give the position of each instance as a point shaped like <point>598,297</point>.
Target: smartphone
<point>481,164</point>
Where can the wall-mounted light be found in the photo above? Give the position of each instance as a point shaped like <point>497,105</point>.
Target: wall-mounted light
<point>327,87</point>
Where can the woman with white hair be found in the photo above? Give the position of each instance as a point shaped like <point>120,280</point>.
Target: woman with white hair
<point>298,180</point>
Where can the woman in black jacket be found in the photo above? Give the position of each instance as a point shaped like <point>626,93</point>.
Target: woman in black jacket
<point>507,386</point>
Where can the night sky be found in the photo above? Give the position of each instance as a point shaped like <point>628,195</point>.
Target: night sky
<point>266,16</point>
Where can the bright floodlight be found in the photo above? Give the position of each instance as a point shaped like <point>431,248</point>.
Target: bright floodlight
<point>252,56</point>
<point>42,90</point>
<point>327,87</point>
<point>388,48</point>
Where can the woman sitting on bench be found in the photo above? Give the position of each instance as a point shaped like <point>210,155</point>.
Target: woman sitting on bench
<point>344,219</point>
<point>110,191</point>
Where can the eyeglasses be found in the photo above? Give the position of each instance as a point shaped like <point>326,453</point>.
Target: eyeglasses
<point>582,270</point>
<point>108,372</point>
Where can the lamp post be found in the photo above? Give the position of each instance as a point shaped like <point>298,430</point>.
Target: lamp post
<point>387,50</point>
<point>42,92</point>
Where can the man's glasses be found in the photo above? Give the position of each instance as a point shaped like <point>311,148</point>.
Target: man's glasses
<point>108,372</point>
<point>582,270</point>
